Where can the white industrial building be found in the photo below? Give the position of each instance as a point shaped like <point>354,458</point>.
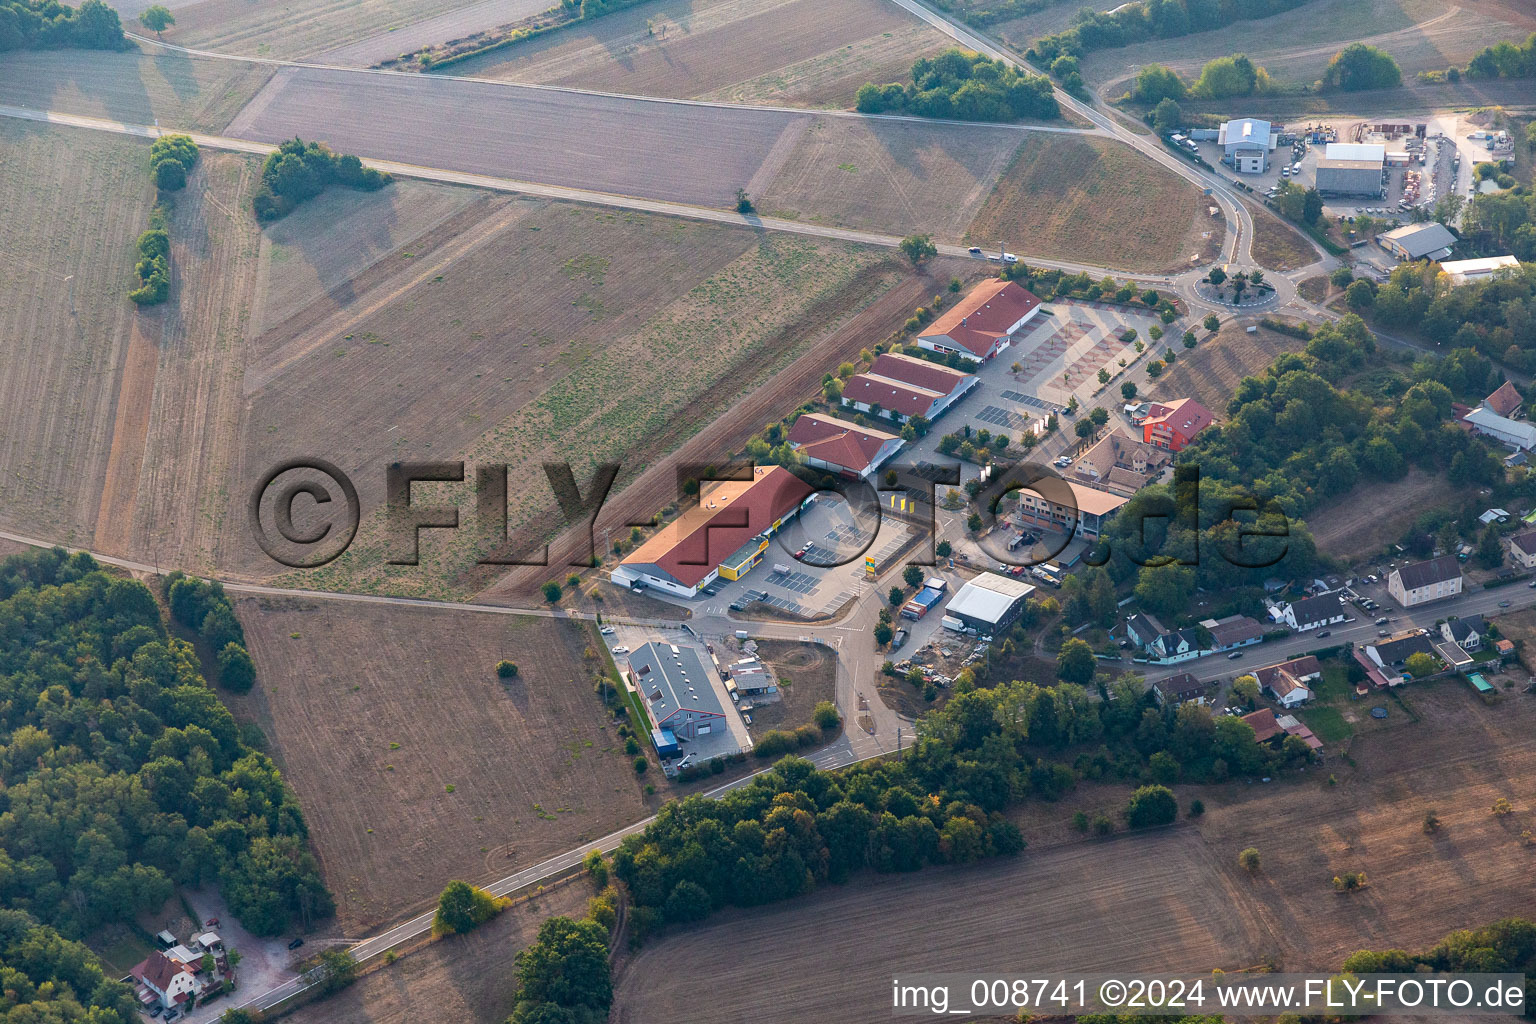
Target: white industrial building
<point>1475,271</point>
<point>989,602</point>
<point>1246,144</point>
<point>1516,433</point>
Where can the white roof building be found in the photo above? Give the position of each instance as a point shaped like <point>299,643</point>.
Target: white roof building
<point>989,600</point>
<point>1245,133</point>
<point>1519,433</point>
<point>1355,151</point>
<point>1472,271</point>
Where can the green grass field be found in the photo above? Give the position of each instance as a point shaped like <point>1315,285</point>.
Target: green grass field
<point>1328,724</point>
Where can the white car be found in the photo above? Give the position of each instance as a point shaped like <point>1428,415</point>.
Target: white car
<point>606,631</point>
<point>621,649</point>
<point>1063,461</point>
<point>1009,257</point>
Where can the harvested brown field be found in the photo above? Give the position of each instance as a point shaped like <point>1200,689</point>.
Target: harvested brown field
<point>468,979</point>
<point>181,92</point>
<point>1020,32</point>
<point>812,53</point>
<point>520,331</point>
<point>414,762</point>
<point>1315,289</point>
<point>457,23</point>
<point>1277,245</point>
<point>1372,516</point>
<point>894,176</point>
<point>1210,372</point>
<point>75,202</point>
<point>1098,202</point>
<point>683,153</point>
<point>323,246</point>
<point>301,28</point>
<point>1150,903</point>
<point>1171,901</point>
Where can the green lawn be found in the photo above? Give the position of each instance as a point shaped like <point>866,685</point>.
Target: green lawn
<point>1334,685</point>
<point>1327,724</point>
<point>118,949</point>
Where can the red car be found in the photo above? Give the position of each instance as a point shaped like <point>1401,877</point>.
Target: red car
<point>211,922</point>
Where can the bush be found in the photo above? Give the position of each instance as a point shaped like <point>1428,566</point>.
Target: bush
<point>1359,66</point>
<point>237,673</point>
<point>153,268</point>
<point>170,176</point>
<point>506,669</point>
<point>964,85</point>
<point>463,907</point>
<point>825,715</point>
<point>1151,806</point>
<point>300,170</point>
<point>1248,860</point>
<point>641,765</point>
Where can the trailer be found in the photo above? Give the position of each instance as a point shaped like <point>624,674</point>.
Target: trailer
<point>921,603</point>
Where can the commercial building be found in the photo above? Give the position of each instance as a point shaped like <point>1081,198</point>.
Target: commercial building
<point>1369,151</point>
<point>1418,241</point>
<point>1246,144</point>
<point>902,387</point>
<point>842,447</point>
<point>1121,465</point>
<point>1087,515</point>
<point>724,535</point>
<point>674,688</point>
<point>1349,177</point>
<point>1172,425</point>
<point>990,602</point>
<point>983,323</point>
<point>1515,433</point>
<point>1474,271</point>
<point>1423,582</point>
<point>1233,632</point>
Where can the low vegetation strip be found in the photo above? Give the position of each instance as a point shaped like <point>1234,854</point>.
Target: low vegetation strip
<point>1142,20</point>
<point>964,85</point>
<point>125,775</point>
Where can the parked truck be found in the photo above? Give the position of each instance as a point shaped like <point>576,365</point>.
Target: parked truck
<point>953,624</point>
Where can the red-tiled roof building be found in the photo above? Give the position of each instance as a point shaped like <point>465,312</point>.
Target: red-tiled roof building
<point>840,446</point>
<point>983,323</point>
<point>1173,425</point>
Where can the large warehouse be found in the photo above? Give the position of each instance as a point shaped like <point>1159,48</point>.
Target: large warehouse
<point>990,602</point>
<point>1351,169</point>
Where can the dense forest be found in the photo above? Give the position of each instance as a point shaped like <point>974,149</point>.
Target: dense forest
<point>124,775</point>
<point>49,25</point>
<point>49,979</point>
<point>1495,318</point>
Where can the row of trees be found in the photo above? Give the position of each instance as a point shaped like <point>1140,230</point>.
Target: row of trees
<point>123,773</point>
<point>301,170</point>
<point>1222,78</point>
<point>1148,19</point>
<point>49,25</point>
<point>965,85</point>
<point>1505,60</point>
<point>796,828</point>
<point>171,157</point>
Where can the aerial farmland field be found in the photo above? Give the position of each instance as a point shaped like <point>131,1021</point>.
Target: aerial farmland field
<point>795,52</point>
<point>415,762</point>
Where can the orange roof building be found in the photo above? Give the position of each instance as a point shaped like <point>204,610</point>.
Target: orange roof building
<point>1173,425</point>
<point>982,324</point>
<point>1087,512</point>
<point>725,534</point>
<point>840,446</point>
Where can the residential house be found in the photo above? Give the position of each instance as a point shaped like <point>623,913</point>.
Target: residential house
<point>1121,465</point>
<point>1422,582</point>
<point>1178,689</point>
<point>1143,628</point>
<point>1522,549</point>
<point>983,323</point>
<point>1287,680</point>
<point>1392,653</point>
<point>1265,728</point>
<point>675,690</point>
<point>1176,646</point>
<point>1313,612</point>
<point>1505,400</point>
<point>1465,633</point>
<point>840,446</point>
<point>1172,425</point>
<point>1233,631</point>
<point>175,978</point>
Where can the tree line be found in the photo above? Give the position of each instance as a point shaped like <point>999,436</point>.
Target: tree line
<point>171,157</point>
<point>301,170</point>
<point>964,85</point>
<point>124,775</point>
<point>1505,60</point>
<point>1142,20</point>
<point>49,25</point>
<point>795,828</point>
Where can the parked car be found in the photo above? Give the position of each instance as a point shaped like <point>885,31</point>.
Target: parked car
<point>1326,632</point>
<point>1234,655</point>
<point>296,943</point>
<point>212,922</point>
<point>1381,632</point>
<point>1009,257</point>
<point>621,649</point>
<point>606,631</point>
<point>1063,461</point>
<point>156,1010</point>
<point>1381,621</point>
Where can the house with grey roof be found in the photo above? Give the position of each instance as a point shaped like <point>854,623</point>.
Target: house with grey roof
<point>1313,612</point>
